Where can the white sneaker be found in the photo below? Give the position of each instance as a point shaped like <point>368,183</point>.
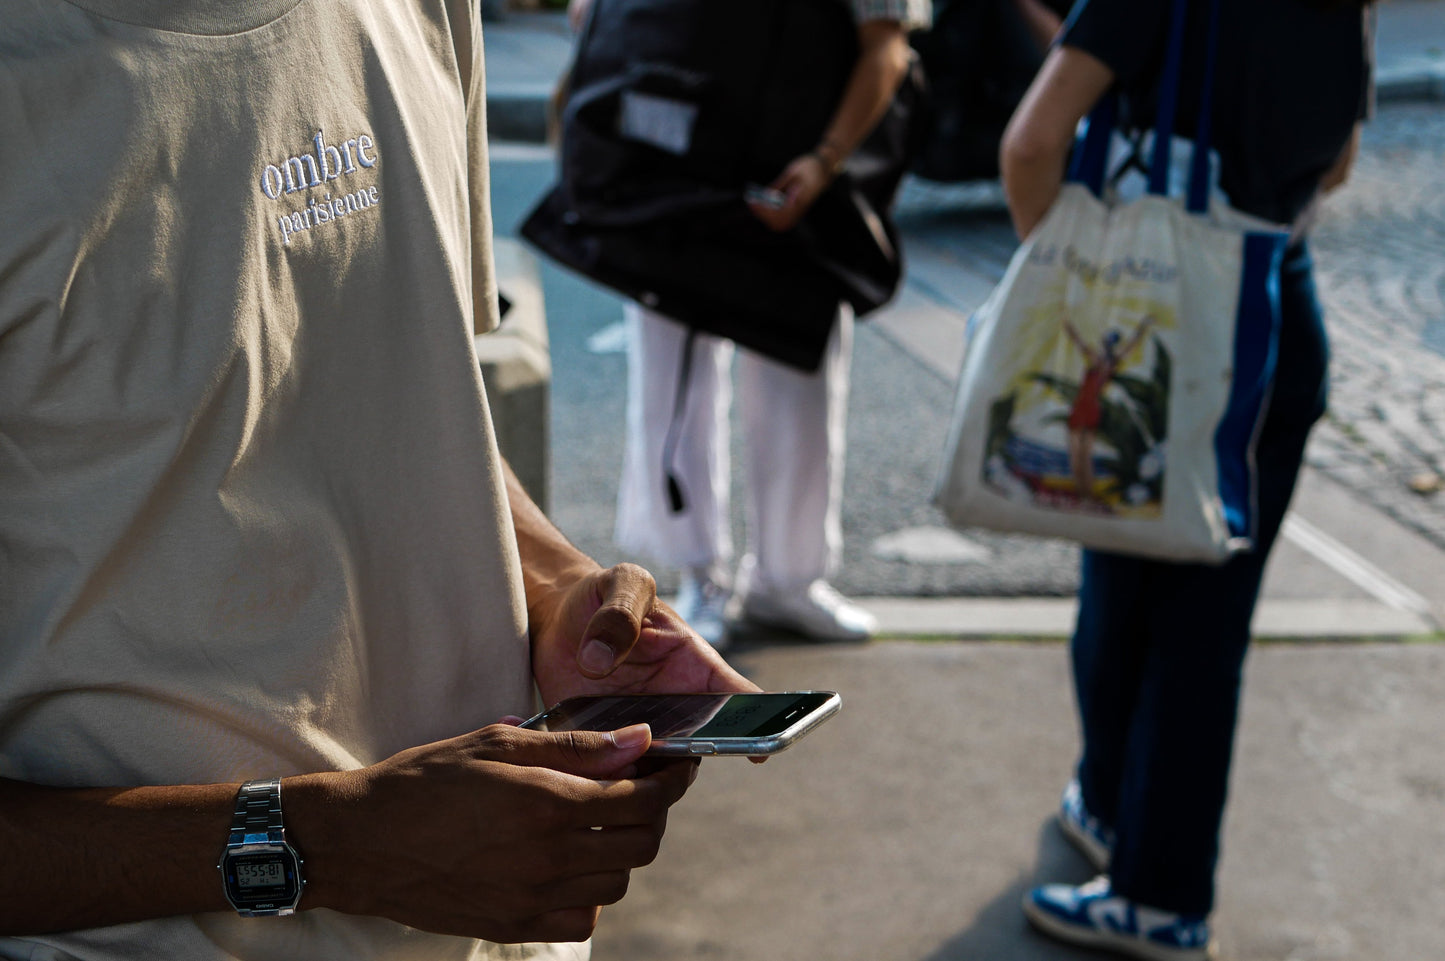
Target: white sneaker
<point>701,601</point>
<point>818,611</point>
<point>1093,916</point>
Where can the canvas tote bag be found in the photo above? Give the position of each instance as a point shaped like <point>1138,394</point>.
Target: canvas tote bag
<point>1115,379</point>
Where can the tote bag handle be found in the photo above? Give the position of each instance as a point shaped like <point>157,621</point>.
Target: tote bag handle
<point>1089,164</point>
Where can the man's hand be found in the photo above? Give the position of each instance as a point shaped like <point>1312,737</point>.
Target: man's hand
<point>801,183</point>
<point>603,631</point>
<point>504,834</point>
<point>607,633</point>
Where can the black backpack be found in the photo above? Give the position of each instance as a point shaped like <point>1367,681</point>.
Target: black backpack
<point>674,108</point>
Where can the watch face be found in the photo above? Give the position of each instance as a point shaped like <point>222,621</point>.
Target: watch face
<point>262,881</point>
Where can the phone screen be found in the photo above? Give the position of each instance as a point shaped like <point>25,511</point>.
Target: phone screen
<point>685,715</point>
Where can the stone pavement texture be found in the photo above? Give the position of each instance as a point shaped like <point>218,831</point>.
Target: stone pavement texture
<point>1383,241</point>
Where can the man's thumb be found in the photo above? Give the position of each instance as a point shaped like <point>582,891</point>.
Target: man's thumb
<point>593,754</point>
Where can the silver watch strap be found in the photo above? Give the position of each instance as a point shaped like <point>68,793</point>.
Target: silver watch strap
<point>258,814</point>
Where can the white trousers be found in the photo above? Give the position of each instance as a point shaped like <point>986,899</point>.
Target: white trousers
<point>794,432</point>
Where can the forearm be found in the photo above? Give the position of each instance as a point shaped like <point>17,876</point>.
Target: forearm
<point>549,560</point>
<point>1035,149</point>
<point>89,857</point>
<point>81,858</point>
<point>882,63</point>
<point>481,839</point>
<point>1031,184</point>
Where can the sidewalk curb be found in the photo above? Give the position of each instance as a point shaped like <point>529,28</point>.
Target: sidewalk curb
<point>1420,79</point>
<point>517,112</point>
<point>516,365</point>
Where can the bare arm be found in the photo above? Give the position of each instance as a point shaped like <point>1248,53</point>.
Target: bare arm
<point>1042,23</point>
<point>882,63</point>
<point>87,857</point>
<point>602,630</point>
<point>488,835</point>
<point>1035,148</point>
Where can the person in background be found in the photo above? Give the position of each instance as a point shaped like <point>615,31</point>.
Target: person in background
<point>1158,649</point>
<point>793,423</point>
<point>264,579</point>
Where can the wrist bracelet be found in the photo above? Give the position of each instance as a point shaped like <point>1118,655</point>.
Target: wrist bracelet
<point>834,166</point>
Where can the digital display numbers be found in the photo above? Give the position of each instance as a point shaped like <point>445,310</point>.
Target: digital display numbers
<point>260,874</point>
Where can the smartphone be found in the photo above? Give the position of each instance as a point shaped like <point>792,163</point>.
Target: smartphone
<point>686,725</point>
<point>765,196</point>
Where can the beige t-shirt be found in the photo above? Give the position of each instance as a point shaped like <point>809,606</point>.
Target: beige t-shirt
<point>251,515</point>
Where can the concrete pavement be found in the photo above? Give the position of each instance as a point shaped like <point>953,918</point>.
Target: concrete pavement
<point>910,826</point>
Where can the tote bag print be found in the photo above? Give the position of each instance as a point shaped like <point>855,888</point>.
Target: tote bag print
<point>1113,399</point>
<point>1084,424</point>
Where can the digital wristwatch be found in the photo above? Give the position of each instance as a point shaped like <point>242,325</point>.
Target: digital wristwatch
<point>260,872</point>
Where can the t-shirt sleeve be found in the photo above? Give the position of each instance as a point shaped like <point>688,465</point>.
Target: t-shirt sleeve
<point>913,14</point>
<point>1126,35</point>
<point>467,39</point>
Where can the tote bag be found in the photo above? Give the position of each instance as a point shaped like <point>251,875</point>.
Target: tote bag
<point>1114,381</point>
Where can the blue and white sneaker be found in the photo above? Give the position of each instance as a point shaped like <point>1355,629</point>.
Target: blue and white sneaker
<point>1091,915</point>
<point>1087,832</point>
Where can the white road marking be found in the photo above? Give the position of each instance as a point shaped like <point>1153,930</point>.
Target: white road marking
<point>930,545</point>
<point>1365,575</point>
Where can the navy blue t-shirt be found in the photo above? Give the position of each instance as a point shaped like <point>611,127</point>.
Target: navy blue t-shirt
<point>1291,81</point>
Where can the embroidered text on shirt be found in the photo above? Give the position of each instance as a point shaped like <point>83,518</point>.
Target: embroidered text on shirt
<point>306,171</point>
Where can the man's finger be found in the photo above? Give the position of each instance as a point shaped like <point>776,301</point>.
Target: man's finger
<point>587,851</point>
<point>628,594</point>
<point>586,754</point>
<point>643,800</point>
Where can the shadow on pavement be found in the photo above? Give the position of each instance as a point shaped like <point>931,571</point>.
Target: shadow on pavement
<point>1000,932</point>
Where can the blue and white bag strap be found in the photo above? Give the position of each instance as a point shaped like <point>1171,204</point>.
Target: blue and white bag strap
<point>1168,101</point>
<point>1089,163</point>
<point>1200,173</point>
